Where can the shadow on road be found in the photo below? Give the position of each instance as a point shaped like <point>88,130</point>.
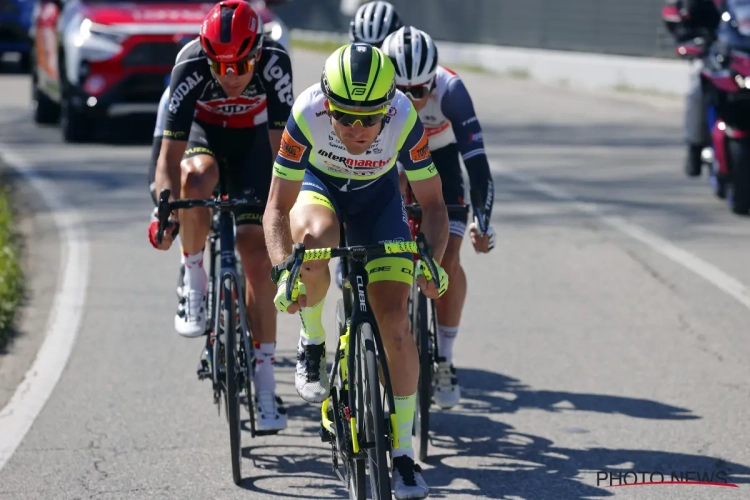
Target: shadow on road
<point>473,455</point>
<point>477,456</point>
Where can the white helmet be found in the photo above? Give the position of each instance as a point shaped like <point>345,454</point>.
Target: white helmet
<point>414,55</point>
<point>373,22</point>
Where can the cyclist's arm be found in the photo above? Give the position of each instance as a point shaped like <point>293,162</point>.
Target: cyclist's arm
<point>458,107</point>
<point>180,110</point>
<point>288,172</point>
<point>277,79</point>
<point>414,155</point>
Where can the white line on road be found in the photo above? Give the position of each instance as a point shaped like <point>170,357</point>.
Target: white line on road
<point>64,320</point>
<point>689,261</point>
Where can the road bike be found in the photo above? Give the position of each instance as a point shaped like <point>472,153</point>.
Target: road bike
<point>357,419</point>
<point>229,360</point>
<point>423,320</point>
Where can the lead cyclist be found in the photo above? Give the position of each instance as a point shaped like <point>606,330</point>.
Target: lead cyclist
<point>337,164</point>
<point>446,109</point>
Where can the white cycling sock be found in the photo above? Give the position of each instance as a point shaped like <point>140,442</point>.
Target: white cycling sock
<point>446,337</point>
<point>264,360</point>
<point>182,254</point>
<point>195,275</point>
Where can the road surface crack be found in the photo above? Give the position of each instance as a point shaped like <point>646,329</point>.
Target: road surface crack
<point>651,271</point>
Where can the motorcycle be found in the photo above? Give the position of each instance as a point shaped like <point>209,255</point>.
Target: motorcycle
<point>725,79</point>
<point>726,83</point>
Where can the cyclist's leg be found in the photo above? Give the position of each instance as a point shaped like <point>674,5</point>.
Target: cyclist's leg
<point>315,222</point>
<point>249,172</point>
<point>449,306</point>
<point>155,149</point>
<point>390,280</point>
<point>200,174</point>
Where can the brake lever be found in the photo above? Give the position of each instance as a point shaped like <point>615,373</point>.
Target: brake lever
<point>298,255</point>
<point>162,213</point>
<point>476,207</point>
<point>425,253</point>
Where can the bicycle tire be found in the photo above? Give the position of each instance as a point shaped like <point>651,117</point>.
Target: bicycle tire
<point>424,387</point>
<point>231,389</point>
<point>374,416</point>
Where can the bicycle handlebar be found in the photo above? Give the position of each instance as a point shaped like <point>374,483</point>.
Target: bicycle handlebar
<point>294,262</point>
<point>166,207</point>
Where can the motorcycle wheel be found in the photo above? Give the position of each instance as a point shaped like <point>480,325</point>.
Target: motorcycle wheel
<point>738,192</point>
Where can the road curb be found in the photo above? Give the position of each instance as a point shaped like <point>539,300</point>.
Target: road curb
<point>583,70</point>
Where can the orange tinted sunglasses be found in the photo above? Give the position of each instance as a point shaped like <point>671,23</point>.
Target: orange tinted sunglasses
<point>239,68</point>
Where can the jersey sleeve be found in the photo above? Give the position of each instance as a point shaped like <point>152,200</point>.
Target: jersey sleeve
<point>277,80</point>
<point>188,80</point>
<point>294,153</point>
<point>414,150</point>
<point>459,109</point>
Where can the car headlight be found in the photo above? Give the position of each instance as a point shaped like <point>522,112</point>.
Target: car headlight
<point>97,42</point>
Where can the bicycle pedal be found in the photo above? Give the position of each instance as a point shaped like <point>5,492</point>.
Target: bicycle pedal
<point>325,436</point>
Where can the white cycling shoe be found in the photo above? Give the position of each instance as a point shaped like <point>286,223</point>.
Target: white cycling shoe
<point>270,412</point>
<point>407,480</point>
<point>447,392</point>
<point>190,320</point>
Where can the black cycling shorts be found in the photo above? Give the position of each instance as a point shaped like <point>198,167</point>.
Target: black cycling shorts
<point>244,156</point>
<point>448,164</point>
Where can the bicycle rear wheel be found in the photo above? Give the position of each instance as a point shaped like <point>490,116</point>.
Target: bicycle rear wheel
<point>374,417</point>
<point>232,387</point>
<point>420,328</point>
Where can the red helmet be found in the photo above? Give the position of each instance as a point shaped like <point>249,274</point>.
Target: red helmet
<point>231,32</point>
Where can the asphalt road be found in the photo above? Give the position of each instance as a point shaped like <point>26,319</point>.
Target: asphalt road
<point>582,348</point>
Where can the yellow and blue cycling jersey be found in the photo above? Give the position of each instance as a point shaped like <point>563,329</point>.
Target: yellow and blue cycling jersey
<point>361,189</point>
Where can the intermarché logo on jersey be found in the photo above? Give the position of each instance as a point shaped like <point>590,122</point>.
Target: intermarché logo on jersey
<point>351,162</point>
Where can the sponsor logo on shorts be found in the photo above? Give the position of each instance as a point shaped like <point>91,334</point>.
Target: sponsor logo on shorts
<point>290,149</point>
<point>421,151</point>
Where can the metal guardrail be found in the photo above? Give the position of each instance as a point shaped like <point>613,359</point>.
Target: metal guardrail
<point>624,27</point>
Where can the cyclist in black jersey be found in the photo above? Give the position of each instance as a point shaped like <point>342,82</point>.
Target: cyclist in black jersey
<point>230,97</point>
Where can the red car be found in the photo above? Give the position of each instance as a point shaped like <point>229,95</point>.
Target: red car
<point>93,60</point>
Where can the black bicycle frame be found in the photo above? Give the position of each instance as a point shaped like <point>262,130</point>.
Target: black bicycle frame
<point>355,275</point>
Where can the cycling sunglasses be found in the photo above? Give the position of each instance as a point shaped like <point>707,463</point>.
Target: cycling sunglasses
<point>417,91</point>
<point>350,118</point>
<point>239,68</point>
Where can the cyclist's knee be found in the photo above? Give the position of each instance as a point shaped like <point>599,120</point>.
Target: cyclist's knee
<point>394,327</point>
<point>252,248</point>
<point>199,176</point>
<point>452,257</point>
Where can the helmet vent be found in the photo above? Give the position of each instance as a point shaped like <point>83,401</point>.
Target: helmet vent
<point>225,33</point>
<point>244,46</point>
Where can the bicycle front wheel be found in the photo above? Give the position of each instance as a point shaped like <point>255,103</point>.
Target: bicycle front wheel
<point>232,387</point>
<point>420,326</point>
<point>374,417</point>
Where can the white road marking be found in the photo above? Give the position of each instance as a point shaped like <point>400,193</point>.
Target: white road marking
<point>64,320</point>
<point>721,280</point>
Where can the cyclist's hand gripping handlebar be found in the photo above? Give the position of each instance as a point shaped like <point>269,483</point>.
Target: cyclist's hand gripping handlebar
<point>425,255</point>
<point>293,264</point>
<point>163,213</point>
<point>477,206</point>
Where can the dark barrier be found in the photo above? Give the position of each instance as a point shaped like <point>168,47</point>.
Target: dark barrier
<point>628,27</point>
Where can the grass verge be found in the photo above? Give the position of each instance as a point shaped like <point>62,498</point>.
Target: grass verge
<point>10,269</point>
